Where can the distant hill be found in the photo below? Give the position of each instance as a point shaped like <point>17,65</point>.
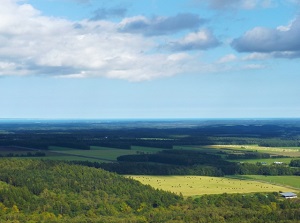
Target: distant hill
<point>52,190</point>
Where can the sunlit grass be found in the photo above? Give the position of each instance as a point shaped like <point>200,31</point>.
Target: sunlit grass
<point>293,181</point>
<point>285,151</point>
<point>199,185</point>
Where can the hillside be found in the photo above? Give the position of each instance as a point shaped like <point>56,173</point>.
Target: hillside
<point>53,191</point>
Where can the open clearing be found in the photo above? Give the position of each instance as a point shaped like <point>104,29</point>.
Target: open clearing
<point>94,154</point>
<point>199,185</point>
<point>293,181</point>
<point>281,151</point>
<point>266,161</point>
<point>278,151</point>
<point>102,153</point>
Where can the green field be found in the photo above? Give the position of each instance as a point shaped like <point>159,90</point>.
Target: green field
<point>145,149</point>
<point>101,153</point>
<point>199,185</point>
<point>267,161</point>
<point>281,151</point>
<point>290,152</point>
<point>292,181</point>
<point>284,151</point>
<point>95,154</point>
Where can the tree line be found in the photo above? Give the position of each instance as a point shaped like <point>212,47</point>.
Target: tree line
<point>188,162</point>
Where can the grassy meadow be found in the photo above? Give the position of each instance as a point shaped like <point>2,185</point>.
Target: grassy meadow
<point>292,181</point>
<point>199,185</point>
<point>266,161</point>
<point>97,153</point>
<point>280,151</point>
<point>187,185</point>
<point>289,152</point>
<point>94,153</point>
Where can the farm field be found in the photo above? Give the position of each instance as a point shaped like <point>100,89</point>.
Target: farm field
<point>292,181</point>
<point>103,153</point>
<point>94,153</point>
<point>281,151</point>
<point>4,150</point>
<point>199,185</point>
<point>289,152</point>
<point>267,161</point>
<point>145,149</point>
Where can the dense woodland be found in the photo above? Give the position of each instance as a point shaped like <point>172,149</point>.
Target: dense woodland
<point>188,162</point>
<point>295,163</point>
<point>160,134</point>
<point>82,191</point>
<point>48,191</point>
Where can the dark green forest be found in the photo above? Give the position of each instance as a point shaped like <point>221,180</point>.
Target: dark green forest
<point>160,134</point>
<point>35,189</point>
<point>52,191</point>
<point>189,162</point>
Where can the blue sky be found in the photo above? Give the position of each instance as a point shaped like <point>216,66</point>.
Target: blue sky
<point>94,59</point>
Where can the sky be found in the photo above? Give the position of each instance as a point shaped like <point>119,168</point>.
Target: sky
<point>149,59</point>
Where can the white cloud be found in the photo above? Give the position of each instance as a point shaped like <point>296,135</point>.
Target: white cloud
<point>254,66</point>
<point>33,44</point>
<point>282,41</point>
<point>256,56</point>
<point>227,58</point>
<point>201,40</point>
<point>160,25</point>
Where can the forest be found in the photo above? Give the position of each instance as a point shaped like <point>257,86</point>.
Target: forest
<point>41,134</point>
<point>41,182</point>
<point>54,191</point>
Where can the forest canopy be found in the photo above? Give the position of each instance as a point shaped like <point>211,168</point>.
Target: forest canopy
<point>51,191</point>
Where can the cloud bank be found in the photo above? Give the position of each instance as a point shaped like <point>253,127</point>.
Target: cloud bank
<point>201,40</point>
<point>161,25</point>
<point>280,42</point>
<point>34,44</point>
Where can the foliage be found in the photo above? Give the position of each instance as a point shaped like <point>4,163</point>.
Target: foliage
<point>48,191</point>
<point>28,154</point>
<point>158,134</point>
<point>189,162</point>
<point>248,155</point>
<point>295,163</point>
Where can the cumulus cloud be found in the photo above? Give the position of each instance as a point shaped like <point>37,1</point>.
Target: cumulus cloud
<point>161,25</point>
<point>254,66</point>
<point>201,40</point>
<point>235,4</point>
<point>282,41</point>
<point>256,56</point>
<point>227,58</point>
<point>34,44</point>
